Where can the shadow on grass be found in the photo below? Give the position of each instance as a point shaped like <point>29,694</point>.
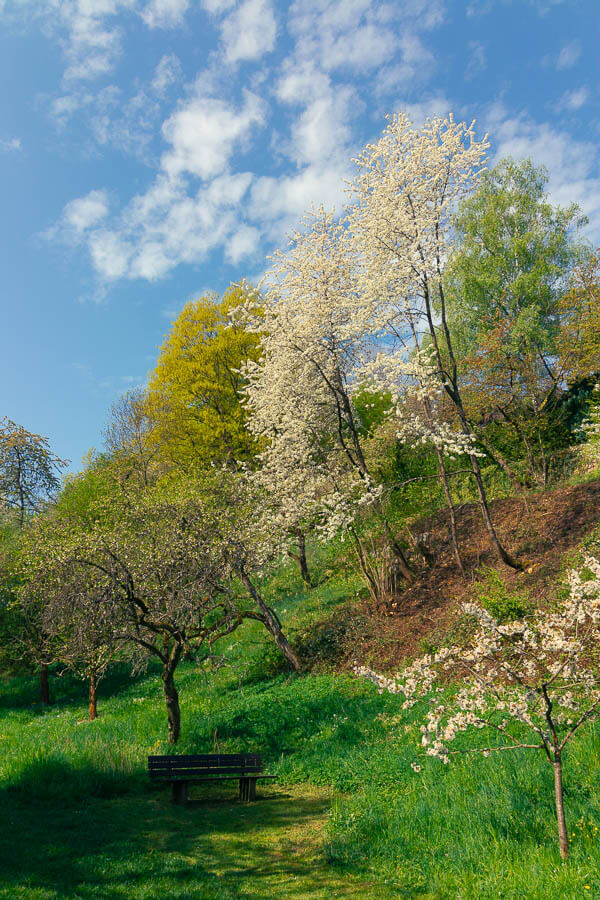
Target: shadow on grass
<point>78,832</point>
<point>23,691</point>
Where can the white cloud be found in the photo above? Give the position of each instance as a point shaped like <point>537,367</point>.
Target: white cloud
<point>417,64</point>
<point>85,212</point>
<point>278,203</point>
<point>242,244</point>
<point>204,132</point>
<point>569,55</point>
<point>574,100</point>
<point>323,129</point>
<point>359,34</point>
<point>164,13</point>
<point>91,31</point>
<point>9,144</point>
<point>342,34</point>
<point>249,32</point>
<point>216,7</point>
<point>110,254</point>
<point>168,71</point>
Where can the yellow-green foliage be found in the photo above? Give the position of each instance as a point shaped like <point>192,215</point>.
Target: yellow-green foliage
<point>194,392</point>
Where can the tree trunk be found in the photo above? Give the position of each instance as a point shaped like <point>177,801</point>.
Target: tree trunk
<point>172,701</point>
<point>271,622</point>
<point>300,556</point>
<point>93,696</point>
<point>560,809</point>
<point>400,559</point>
<point>503,554</point>
<point>450,383</point>
<point>451,510</point>
<point>44,685</point>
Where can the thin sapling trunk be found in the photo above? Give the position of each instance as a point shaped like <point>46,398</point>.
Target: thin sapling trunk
<point>93,695</point>
<point>44,684</point>
<point>563,840</point>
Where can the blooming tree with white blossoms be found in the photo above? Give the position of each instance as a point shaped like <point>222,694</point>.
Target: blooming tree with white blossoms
<point>407,187</point>
<point>317,336</point>
<point>324,337</point>
<point>529,685</point>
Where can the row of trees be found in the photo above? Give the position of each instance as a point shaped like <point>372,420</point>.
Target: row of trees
<point>437,324</point>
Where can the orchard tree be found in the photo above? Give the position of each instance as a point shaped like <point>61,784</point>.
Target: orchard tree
<point>528,685</point>
<point>29,477</point>
<point>157,572</point>
<point>78,618</point>
<point>29,471</point>
<point>154,569</point>
<point>514,259</point>
<point>193,397</point>
<point>408,185</point>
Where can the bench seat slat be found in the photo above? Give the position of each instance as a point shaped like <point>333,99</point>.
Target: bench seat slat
<point>192,778</point>
<point>202,770</point>
<point>220,759</point>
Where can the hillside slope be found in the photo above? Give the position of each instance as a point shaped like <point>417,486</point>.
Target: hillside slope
<point>349,816</point>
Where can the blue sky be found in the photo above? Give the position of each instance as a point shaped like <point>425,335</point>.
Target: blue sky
<point>152,149</point>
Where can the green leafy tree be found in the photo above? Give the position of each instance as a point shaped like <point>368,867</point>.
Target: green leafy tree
<point>516,255</point>
<point>193,397</point>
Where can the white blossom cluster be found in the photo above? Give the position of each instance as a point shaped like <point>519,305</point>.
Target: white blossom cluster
<point>531,683</point>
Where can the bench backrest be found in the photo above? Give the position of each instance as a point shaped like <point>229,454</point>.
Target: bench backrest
<point>204,764</point>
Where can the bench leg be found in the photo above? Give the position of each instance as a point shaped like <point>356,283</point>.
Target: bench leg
<point>252,789</point>
<point>244,788</point>
<point>180,792</point>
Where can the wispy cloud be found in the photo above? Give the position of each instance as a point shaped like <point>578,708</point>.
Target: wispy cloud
<point>8,145</point>
<point>574,100</point>
<point>568,55</point>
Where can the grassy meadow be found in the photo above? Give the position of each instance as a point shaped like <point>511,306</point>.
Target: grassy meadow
<point>347,817</point>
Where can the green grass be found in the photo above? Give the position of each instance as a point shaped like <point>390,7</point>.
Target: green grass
<point>348,817</point>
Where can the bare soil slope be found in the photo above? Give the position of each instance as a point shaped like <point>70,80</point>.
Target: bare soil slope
<point>539,529</point>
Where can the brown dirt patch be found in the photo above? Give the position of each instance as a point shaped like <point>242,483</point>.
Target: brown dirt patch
<point>539,529</point>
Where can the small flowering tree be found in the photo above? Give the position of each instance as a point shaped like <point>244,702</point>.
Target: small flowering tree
<point>530,685</point>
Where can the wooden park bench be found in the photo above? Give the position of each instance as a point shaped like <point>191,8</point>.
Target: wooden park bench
<point>183,770</point>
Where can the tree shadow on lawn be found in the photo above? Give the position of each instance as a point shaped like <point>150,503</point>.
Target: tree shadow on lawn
<point>23,691</point>
<point>77,832</point>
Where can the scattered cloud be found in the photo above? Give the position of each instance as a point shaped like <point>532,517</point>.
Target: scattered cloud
<point>216,7</point>
<point>164,13</point>
<point>477,60</point>
<point>435,105</point>
<point>204,132</point>
<point>573,100</point>
<point>168,72</point>
<point>10,144</point>
<point>249,32</point>
<point>344,34</point>
<point>83,213</point>
<point>568,55</point>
